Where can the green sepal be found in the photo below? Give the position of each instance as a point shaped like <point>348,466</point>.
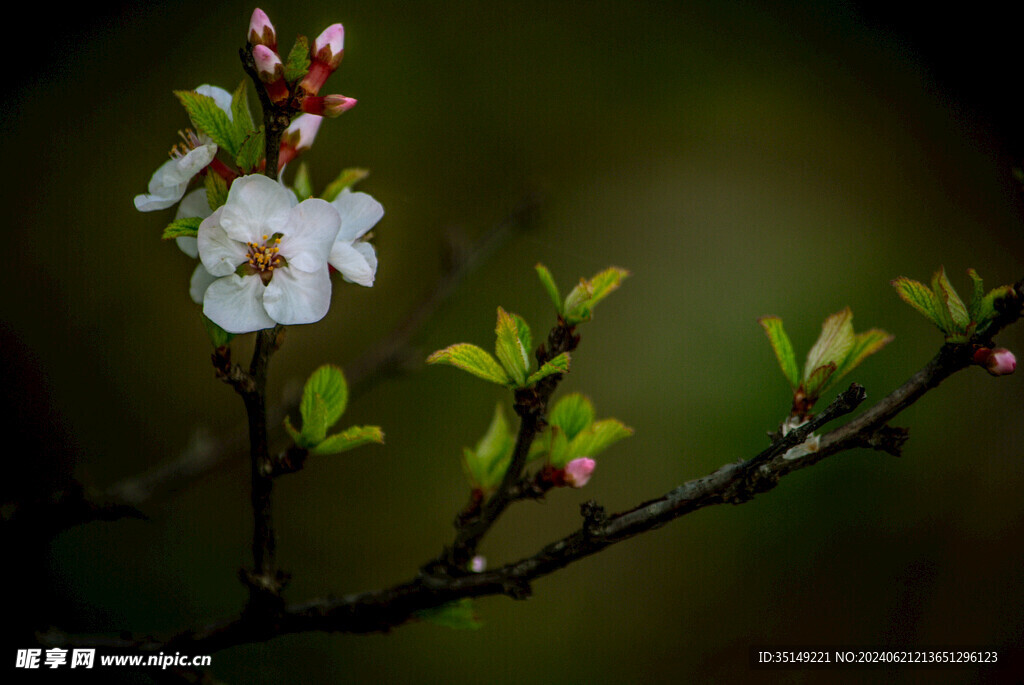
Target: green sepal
<point>594,439</point>
<point>302,185</point>
<point>485,465</point>
<point>353,436</point>
<point>182,228</point>
<point>550,287</point>
<point>472,359</point>
<point>459,615</point>
<point>211,120</point>
<point>783,348</point>
<point>345,180</point>
<point>572,413</point>
<point>218,336</point>
<point>325,386</point>
<point>251,151</point>
<point>241,117</point>
<point>297,64</point>
<point>559,364</point>
<point>216,191</point>
<point>509,349</point>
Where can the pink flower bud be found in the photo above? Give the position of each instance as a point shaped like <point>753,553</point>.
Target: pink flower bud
<point>328,49</point>
<point>998,362</point>
<point>271,72</point>
<point>578,471</point>
<point>261,31</point>
<point>477,564</point>
<point>298,137</point>
<point>327,105</point>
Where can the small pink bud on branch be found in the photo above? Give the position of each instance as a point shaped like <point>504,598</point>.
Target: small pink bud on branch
<point>328,105</point>
<point>998,362</point>
<point>298,137</point>
<point>271,72</point>
<point>578,472</point>
<point>261,31</point>
<point>327,51</point>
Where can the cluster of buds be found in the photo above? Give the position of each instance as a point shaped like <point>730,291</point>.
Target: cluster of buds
<point>325,56</point>
<point>998,362</point>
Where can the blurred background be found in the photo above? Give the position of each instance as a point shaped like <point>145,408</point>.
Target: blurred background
<point>739,158</point>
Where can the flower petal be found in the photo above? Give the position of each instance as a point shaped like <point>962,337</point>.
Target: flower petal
<point>194,204</point>
<point>352,264</point>
<point>170,181</point>
<point>359,213</point>
<point>312,227</point>
<point>219,253</point>
<point>235,303</point>
<point>296,297</point>
<point>256,206</point>
<point>201,280</point>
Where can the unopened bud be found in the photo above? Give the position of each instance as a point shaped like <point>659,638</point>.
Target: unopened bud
<point>328,105</point>
<point>998,362</point>
<point>298,137</point>
<point>327,51</point>
<point>261,31</point>
<point>578,472</point>
<point>271,72</point>
<point>477,564</point>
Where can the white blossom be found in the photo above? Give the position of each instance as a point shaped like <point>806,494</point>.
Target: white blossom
<point>355,259</point>
<point>267,254</point>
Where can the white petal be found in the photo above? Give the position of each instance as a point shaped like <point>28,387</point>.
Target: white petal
<point>312,227</point>
<point>219,253</point>
<point>359,213</point>
<point>235,303</point>
<point>170,181</point>
<point>295,297</point>
<point>351,264</point>
<point>194,204</point>
<point>189,245</point>
<point>370,255</point>
<point>256,206</point>
<point>201,280</point>
<point>219,95</point>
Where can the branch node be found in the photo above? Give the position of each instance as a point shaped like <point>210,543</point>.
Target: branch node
<point>888,439</point>
<point>594,518</point>
<point>516,589</point>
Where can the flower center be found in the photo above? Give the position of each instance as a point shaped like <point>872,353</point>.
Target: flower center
<point>189,142</point>
<point>264,258</point>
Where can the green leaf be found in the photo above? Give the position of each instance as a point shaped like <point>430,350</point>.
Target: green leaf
<point>954,306</point>
<point>559,364</point>
<point>472,359</point>
<point>251,151</point>
<point>987,310</point>
<point>548,281</point>
<point>833,344</point>
<point>182,228</point>
<point>603,284</point>
<point>211,120</point>
<point>486,464</point>
<point>459,615</point>
<point>508,348</point>
<point>351,437</point>
<point>302,185</point>
<point>783,348</point>
<point>314,420</point>
<point>815,384</point>
<point>218,336</point>
<point>240,114</point>
<point>216,191</point>
<point>296,435</point>
<point>580,302</point>
<point>923,299</point>
<point>864,345</point>
<point>977,295</point>
<point>325,385</point>
<point>297,64</point>
<point>594,439</point>
<point>572,414</point>
<point>345,180</point>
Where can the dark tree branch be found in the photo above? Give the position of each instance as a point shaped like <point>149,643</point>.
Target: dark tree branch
<point>733,483</point>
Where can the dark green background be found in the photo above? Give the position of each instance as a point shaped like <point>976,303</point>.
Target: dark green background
<point>740,159</point>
